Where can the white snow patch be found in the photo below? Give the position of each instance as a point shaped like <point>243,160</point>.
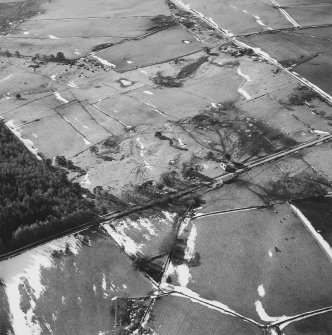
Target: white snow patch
<point>141,146</point>
<point>86,141</point>
<point>214,105</point>
<point>147,165</point>
<point>183,274</point>
<point>129,62</point>
<point>183,226</point>
<point>28,265</point>
<point>86,180</point>
<point>148,225</point>
<point>104,61</point>
<point>125,82</point>
<point>186,42</point>
<point>6,78</point>
<point>147,237</point>
<point>320,132</point>
<point>104,284</point>
<point>21,323</point>
<point>182,145</point>
<point>26,33</point>
<point>72,84</point>
<point>129,224</point>
<point>169,216</point>
<point>130,247</point>
<point>190,248</point>
<point>53,37</point>
<point>28,143</point>
<point>245,76</point>
<point>5,97</point>
<point>245,11</point>
<point>261,291</point>
<point>270,253</point>
<point>244,93</point>
<point>264,316</point>
<point>259,21</point>
<point>228,33</point>
<point>148,92</point>
<point>170,270</point>
<point>53,76</point>
<point>60,98</point>
<point>35,135</point>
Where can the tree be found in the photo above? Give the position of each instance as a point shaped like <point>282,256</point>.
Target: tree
<point>60,56</point>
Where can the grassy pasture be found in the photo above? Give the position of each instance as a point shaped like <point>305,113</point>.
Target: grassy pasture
<point>157,48</point>
<point>175,315</point>
<point>49,131</point>
<point>316,325</point>
<point>129,111</point>
<point>79,281</point>
<point>174,102</point>
<point>311,14</point>
<point>269,247</point>
<point>227,14</point>
<point>280,119</point>
<point>83,122</point>
<point>61,9</point>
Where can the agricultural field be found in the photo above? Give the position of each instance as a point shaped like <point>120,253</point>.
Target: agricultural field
<point>175,315</point>
<point>265,258</point>
<point>61,288</point>
<point>199,132</point>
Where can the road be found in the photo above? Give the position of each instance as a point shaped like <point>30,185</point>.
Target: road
<point>258,51</point>
<point>216,183</point>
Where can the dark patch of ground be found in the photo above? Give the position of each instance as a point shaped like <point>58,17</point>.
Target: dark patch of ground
<point>191,68</point>
<point>162,20</point>
<point>102,46</point>
<point>166,81</point>
<point>5,326</point>
<point>150,266</point>
<point>236,51</point>
<point>319,212</point>
<point>302,95</point>
<point>230,135</point>
<point>105,201</point>
<point>185,72</point>
<point>320,324</point>
<point>274,182</point>
<point>128,313</point>
<point>173,142</point>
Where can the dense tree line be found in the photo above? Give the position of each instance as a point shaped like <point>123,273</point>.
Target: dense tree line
<point>36,199</point>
